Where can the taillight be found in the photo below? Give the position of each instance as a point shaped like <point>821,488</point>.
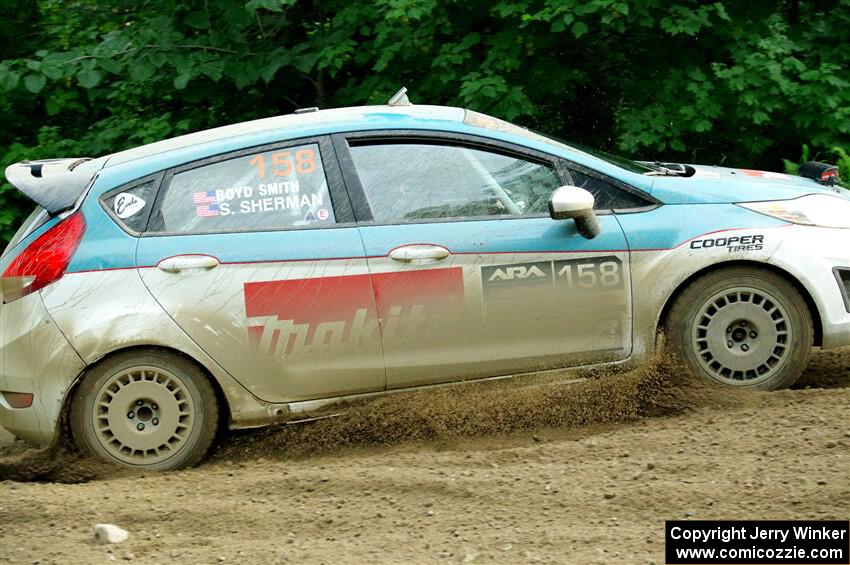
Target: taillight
<point>18,399</point>
<point>44,260</point>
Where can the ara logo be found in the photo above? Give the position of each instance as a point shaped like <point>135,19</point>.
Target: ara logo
<point>512,273</point>
<point>520,273</point>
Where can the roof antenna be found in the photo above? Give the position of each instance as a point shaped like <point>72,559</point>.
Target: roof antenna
<point>400,98</point>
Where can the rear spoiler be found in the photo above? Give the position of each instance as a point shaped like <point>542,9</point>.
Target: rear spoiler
<point>54,184</point>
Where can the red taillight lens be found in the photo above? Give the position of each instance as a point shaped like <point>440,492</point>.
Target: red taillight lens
<point>44,260</point>
<point>18,399</point>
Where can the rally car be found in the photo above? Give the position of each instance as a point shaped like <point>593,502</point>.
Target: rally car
<point>257,272</point>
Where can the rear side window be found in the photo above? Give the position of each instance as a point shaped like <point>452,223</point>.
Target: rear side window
<point>269,190</point>
<point>606,195</point>
<point>131,206</point>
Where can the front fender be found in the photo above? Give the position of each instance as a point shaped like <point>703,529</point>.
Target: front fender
<point>658,274</point>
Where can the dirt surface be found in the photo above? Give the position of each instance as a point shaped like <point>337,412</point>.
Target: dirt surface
<point>528,471</point>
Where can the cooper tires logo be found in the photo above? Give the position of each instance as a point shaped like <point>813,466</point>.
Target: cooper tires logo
<point>733,243</point>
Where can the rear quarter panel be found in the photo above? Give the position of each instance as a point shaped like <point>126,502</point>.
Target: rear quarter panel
<point>102,307</point>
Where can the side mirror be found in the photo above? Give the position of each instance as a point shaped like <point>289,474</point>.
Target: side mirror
<point>572,202</point>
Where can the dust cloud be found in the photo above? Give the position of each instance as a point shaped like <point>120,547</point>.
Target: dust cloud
<point>661,387</point>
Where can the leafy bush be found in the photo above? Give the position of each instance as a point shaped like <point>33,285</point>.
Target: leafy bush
<point>714,82</point>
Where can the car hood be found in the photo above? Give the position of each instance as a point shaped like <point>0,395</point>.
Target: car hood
<point>714,185</point>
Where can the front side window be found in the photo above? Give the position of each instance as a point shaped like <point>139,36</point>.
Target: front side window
<point>270,190</point>
<point>606,195</point>
<point>414,181</point>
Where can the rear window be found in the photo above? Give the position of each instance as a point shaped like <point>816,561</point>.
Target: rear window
<point>34,221</point>
<point>268,190</point>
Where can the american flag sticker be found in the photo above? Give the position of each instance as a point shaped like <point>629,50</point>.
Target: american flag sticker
<point>207,210</point>
<point>204,197</point>
<point>205,204</point>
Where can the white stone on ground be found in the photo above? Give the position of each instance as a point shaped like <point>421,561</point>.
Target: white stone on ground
<point>108,533</point>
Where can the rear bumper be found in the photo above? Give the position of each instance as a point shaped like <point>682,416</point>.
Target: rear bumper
<point>35,358</point>
<point>813,255</point>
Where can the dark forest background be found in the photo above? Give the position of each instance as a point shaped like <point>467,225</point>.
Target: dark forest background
<point>736,83</point>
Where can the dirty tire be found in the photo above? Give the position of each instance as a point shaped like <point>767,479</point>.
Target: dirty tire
<point>742,326</point>
<point>145,409</point>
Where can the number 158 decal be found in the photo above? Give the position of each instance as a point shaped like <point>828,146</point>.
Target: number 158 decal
<point>598,273</point>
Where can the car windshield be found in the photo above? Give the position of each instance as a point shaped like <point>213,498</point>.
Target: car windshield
<point>495,124</point>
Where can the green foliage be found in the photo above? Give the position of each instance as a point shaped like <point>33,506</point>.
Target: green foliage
<point>722,82</point>
<point>793,167</point>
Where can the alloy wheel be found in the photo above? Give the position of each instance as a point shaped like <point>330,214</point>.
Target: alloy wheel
<point>143,415</point>
<point>741,336</point>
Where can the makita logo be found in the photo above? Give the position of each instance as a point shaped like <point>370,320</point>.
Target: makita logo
<point>295,317</point>
<point>512,273</point>
<point>286,338</point>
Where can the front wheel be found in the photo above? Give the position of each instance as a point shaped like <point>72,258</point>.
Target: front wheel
<point>151,410</point>
<point>745,327</point>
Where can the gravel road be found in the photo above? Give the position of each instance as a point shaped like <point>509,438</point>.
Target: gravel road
<point>522,472</point>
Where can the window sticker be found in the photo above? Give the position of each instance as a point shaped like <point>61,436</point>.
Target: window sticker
<point>271,197</point>
<point>272,189</point>
<point>127,205</point>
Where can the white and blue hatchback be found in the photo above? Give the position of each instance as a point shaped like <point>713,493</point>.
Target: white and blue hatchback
<point>256,272</point>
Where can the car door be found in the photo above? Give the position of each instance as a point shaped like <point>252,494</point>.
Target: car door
<point>256,256</point>
<point>471,276</point>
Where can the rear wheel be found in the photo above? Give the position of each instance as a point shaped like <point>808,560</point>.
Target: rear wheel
<point>744,327</point>
<point>150,409</point>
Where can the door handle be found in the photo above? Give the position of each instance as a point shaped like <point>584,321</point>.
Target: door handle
<point>183,262</point>
<point>419,252</point>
